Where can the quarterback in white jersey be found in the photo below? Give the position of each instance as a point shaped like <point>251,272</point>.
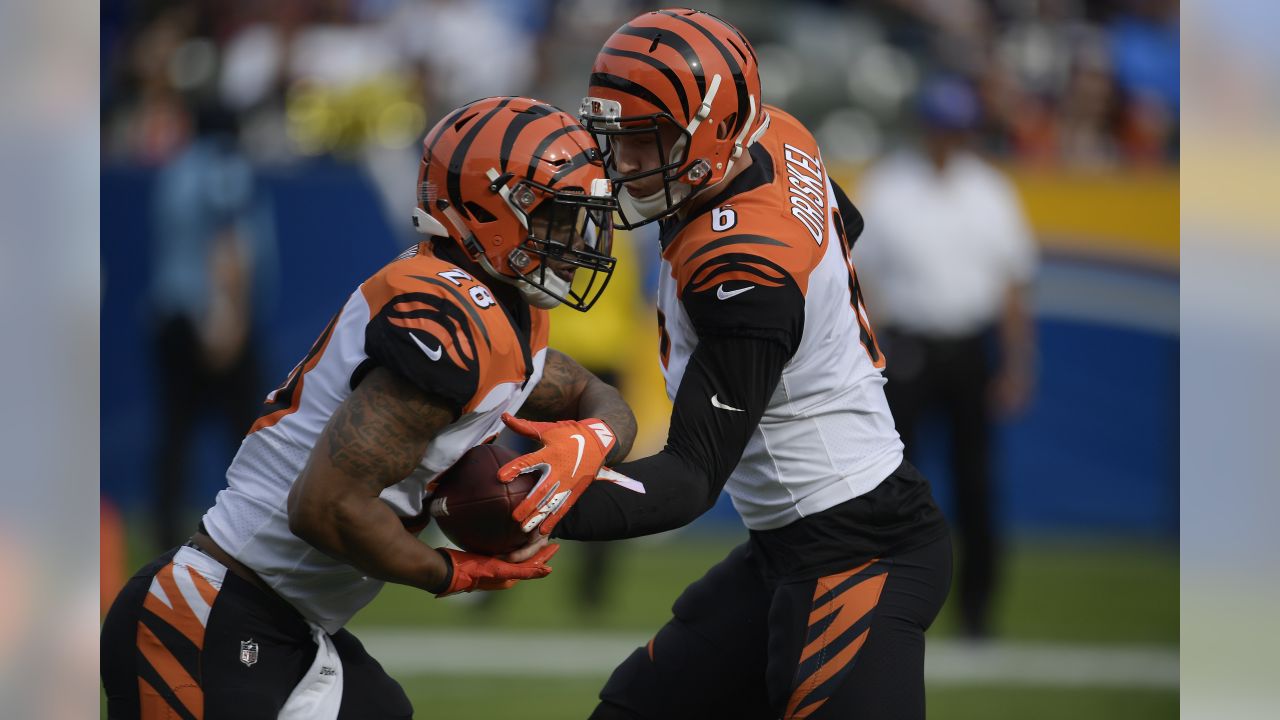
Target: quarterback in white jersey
<point>777,390</point>
<point>329,490</point>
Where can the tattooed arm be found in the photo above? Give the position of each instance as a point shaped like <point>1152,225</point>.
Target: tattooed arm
<point>374,440</point>
<point>568,391</point>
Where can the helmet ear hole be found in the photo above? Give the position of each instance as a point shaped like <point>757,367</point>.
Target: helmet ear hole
<point>478,212</point>
<point>724,128</point>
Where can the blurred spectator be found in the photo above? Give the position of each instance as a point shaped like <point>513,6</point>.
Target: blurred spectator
<point>1145,46</point>
<point>213,250</point>
<point>1088,111</point>
<point>472,49</point>
<point>1064,82</point>
<point>946,261</point>
<point>157,124</point>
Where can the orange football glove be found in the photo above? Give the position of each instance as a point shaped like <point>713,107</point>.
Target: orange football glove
<point>571,455</point>
<point>469,571</point>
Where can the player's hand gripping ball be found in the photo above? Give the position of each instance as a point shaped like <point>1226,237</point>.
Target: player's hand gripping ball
<point>473,508</point>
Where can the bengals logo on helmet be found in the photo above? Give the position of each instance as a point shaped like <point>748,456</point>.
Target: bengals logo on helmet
<point>520,185</point>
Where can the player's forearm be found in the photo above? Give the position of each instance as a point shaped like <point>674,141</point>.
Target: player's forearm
<point>366,534</point>
<point>603,401</point>
<point>568,391</point>
<point>705,442</point>
<point>375,439</point>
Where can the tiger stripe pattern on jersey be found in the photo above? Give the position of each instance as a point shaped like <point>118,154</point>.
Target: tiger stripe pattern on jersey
<point>442,324</point>
<point>737,266</point>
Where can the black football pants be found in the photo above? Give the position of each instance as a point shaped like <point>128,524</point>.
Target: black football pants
<point>846,645</point>
<point>152,668</point>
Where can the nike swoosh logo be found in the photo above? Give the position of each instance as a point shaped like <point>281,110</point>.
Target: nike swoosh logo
<point>721,294</point>
<point>715,402</point>
<point>433,354</point>
<point>582,445</point>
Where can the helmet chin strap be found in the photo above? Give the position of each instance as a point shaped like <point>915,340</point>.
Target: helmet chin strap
<point>651,205</point>
<point>540,298</point>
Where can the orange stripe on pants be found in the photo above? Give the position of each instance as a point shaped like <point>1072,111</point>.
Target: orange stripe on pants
<point>178,615</point>
<point>184,686</point>
<point>849,607</point>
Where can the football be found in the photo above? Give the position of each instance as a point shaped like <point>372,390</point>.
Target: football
<point>473,508</point>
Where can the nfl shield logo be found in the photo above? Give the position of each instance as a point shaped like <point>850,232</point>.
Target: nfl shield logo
<point>248,652</point>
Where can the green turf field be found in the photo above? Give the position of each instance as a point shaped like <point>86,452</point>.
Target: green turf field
<point>557,699</point>
<point>1096,593</point>
<point>1091,592</point>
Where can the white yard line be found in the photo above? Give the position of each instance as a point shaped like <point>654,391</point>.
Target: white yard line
<point>569,654</point>
<point>1051,664</point>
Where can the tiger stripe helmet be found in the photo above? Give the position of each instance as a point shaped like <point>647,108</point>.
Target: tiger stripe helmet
<point>521,187</point>
<point>682,70</point>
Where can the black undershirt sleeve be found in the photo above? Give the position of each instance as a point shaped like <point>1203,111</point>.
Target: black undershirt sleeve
<point>704,444</point>
<point>748,314</point>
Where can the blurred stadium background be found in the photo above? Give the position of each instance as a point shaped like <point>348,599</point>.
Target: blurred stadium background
<point>1080,103</point>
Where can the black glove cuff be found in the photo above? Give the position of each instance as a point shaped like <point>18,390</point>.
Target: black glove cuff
<point>448,573</point>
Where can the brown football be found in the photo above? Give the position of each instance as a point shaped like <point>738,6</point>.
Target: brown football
<point>473,508</point>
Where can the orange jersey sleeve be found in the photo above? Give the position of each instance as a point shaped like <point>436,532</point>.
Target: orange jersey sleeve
<point>741,262</point>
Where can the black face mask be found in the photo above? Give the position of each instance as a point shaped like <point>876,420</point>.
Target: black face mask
<point>568,231</point>
<point>678,183</point>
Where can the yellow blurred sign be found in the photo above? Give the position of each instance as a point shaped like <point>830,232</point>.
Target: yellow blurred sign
<point>1127,215</point>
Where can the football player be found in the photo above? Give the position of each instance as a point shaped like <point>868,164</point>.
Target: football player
<point>772,365</point>
<point>331,486</point>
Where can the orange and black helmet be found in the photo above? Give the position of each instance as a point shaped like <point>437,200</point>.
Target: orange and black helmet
<point>521,186</point>
<point>687,72</point>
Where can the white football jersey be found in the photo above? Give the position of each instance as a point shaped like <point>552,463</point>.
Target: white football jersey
<point>827,435</point>
<point>436,326</point>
